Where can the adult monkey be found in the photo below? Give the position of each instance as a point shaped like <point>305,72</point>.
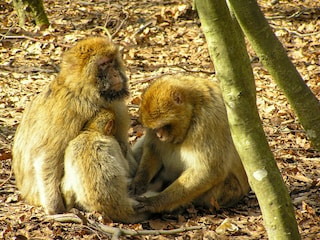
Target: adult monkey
<point>92,77</point>
<point>187,144</point>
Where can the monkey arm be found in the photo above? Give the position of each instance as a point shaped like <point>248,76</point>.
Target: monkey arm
<point>183,190</point>
<point>149,166</point>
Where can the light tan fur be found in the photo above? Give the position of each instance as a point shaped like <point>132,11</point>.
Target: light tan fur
<point>96,172</point>
<point>188,145</point>
<point>91,77</point>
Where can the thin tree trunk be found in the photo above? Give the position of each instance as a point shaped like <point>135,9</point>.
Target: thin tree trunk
<point>31,9</point>
<point>228,52</point>
<point>275,59</point>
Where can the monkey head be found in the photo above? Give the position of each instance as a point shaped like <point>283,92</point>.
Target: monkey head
<point>103,122</point>
<point>97,63</point>
<point>166,110</point>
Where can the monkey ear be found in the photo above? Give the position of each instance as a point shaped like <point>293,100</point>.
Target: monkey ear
<point>109,126</point>
<point>177,97</point>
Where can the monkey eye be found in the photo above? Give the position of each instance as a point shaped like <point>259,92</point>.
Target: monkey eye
<point>167,127</point>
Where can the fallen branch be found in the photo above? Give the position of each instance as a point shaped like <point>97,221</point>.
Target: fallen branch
<point>106,31</point>
<point>142,28</point>
<point>294,15</point>
<point>169,66</point>
<point>4,36</point>
<point>193,71</point>
<point>149,79</point>
<point>117,232</point>
<point>67,218</point>
<point>294,32</point>
<point>26,69</point>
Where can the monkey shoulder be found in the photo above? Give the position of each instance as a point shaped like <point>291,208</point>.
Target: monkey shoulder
<point>95,152</point>
<point>91,139</point>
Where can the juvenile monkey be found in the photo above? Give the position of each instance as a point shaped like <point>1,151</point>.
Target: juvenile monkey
<point>96,172</point>
<point>188,144</point>
<point>92,77</point>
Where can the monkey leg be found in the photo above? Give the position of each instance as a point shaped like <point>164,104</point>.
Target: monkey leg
<point>226,194</point>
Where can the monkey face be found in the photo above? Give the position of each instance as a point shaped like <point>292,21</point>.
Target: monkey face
<point>111,79</point>
<point>166,112</point>
<point>96,63</point>
<point>164,134</point>
<point>173,132</point>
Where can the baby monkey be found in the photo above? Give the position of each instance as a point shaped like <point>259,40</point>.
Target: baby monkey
<point>187,144</point>
<point>96,172</point>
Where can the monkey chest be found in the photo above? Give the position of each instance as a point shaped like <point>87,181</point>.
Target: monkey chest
<point>173,164</point>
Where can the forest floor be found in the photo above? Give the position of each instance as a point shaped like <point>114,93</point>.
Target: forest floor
<point>159,37</point>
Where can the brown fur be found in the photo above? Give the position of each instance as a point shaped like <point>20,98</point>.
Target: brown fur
<point>91,77</point>
<point>188,144</point>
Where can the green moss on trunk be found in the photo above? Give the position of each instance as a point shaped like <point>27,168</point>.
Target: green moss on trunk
<point>228,52</point>
<point>31,9</point>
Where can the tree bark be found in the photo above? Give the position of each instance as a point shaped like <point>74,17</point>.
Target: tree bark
<point>228,51</point>
<point>31,9</point>
<point>275,59</point>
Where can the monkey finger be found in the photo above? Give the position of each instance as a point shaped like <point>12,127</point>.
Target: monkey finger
<point>132,191</point>
<point>139,207</point>
<point>141,198</point>
<point>144,205</point>
<point>135,189</point>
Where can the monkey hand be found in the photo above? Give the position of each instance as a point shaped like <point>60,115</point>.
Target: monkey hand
<point>54,206</point>
<point>144,204</point>
<point>137,188</point>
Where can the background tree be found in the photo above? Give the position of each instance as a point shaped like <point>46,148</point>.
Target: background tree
<point>275,59</point>
<point>228,51</point>
<point>32,9</point>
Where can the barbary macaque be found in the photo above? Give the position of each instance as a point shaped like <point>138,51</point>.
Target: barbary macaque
<point>96,172</point>
<point>92,77</point>
<point>187,144</point>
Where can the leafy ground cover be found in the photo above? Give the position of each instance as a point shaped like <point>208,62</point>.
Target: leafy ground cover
<point>156,38</point>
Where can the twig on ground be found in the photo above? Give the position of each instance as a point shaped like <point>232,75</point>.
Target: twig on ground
<point>141,28</point>
<point>294,15</point>
<point>193,71</point>
<point>4,36</point>
<point>294,32</point>
<point>25,69</point>
<point>148,79</point>
<point>7,180</point>
<point>121,23</point>
<point>117,232</point>
<point>185,69</point>
<point>105,30</point>
<point>67,218</point>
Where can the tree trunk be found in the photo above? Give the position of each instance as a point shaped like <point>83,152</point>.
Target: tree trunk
<point>228,52</point>
<point>275,59</point>
<point>32,9</point>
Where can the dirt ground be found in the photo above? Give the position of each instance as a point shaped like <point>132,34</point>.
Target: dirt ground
<point>159,37</point>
